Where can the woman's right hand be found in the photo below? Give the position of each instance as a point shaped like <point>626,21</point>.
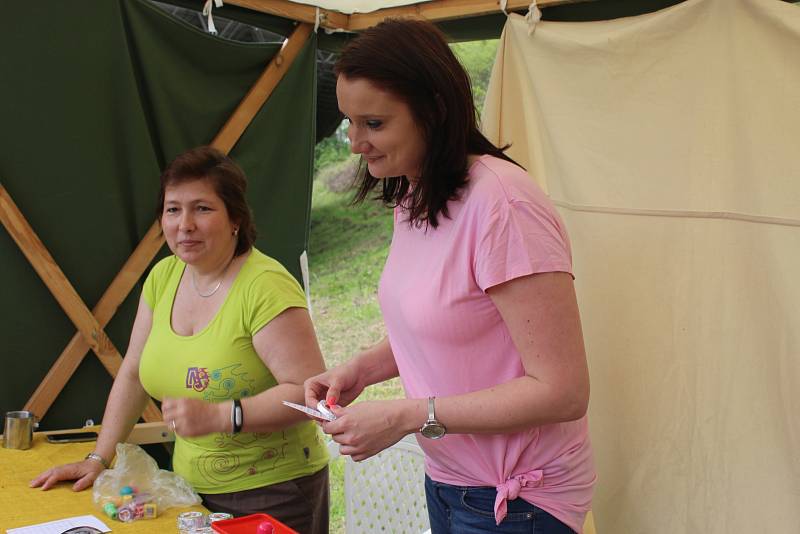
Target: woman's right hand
<point>338,386</point>
<point>84,473</point>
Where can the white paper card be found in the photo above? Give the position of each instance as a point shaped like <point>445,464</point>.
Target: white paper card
<point>57,527</point>
<point>311,411</point>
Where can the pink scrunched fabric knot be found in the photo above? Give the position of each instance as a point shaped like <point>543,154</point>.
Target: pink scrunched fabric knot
<point>509,490</point>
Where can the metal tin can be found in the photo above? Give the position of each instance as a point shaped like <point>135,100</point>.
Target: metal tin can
<point>191,521</point>
<point>219,516</point>
<point>125,514</point>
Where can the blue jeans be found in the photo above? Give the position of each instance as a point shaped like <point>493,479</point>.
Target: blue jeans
<point>470,510</point>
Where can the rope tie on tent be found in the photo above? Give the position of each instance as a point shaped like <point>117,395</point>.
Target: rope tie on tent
<point>317,19</point>
<point>306,280</point>
<point>207,7</point>
<point>533,16</point>
<point>503,5</point>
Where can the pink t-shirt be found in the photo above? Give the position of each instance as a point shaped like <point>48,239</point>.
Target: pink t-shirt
<point>448,338</point>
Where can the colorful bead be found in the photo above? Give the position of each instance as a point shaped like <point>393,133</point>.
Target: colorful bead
<point>110,510</point>
<point>150,511</point>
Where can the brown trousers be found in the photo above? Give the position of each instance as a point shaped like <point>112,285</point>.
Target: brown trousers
<point>301,504</point>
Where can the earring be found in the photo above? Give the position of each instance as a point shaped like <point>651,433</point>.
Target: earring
<point>235,231</point>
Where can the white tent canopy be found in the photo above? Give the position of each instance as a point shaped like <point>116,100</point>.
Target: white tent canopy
<point>349,7</point>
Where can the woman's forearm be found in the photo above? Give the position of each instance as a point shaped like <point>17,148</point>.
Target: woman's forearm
<point>128,398</point>
<point>376,364</point>
<point>517,405</point>
<point>265,412</point>
<point>125,405</point>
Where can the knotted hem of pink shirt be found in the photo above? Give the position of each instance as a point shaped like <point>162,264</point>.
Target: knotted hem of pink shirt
<point>509,490</point>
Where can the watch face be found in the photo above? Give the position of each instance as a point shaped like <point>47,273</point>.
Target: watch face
<point>433,430</point>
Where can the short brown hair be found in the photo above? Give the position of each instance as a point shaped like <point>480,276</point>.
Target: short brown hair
<point>228,181</point>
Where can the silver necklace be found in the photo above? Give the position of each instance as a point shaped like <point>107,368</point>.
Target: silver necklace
<point>216,287</point>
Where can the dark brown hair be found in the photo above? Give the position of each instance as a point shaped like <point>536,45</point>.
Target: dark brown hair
<point>411,60</point>
<point>228,181</point>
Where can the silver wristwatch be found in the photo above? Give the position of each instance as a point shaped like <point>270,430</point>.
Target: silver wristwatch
<point>432,429</point>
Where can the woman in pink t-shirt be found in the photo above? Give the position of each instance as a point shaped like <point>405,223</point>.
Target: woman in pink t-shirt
<point>477,297</point>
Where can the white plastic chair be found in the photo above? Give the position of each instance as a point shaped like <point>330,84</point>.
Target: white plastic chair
<point>386,493</point>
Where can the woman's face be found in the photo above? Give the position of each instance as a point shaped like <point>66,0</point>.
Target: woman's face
<point>382,129</point>
<point>196,224</point>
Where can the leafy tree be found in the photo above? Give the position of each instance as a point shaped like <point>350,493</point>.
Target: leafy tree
<point>477,58</point>
<point>333,149</point>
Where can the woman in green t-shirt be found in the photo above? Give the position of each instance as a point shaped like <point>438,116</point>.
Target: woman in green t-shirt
<point>221,337</point>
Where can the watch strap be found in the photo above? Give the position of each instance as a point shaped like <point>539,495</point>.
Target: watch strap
<point>432,429</point>
<point>237,416</point>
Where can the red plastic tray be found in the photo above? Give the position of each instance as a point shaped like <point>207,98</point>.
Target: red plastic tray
<point>248,524</point>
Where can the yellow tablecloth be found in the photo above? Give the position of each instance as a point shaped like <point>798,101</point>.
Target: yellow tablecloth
<point>21,505</point>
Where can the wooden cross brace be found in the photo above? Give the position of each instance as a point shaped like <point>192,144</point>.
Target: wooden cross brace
<point>90,334</point>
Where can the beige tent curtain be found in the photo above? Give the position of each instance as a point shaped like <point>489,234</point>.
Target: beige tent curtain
<point>671,144</point>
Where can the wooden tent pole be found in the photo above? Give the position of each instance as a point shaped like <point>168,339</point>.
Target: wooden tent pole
<point>293,11</point>
<point>66,364</point>
<point>54,279</point>
<point>90,331</point>
<point>433,10</point>
<point>71,357</point>
<point>259,93</point>
<point>440,10</point>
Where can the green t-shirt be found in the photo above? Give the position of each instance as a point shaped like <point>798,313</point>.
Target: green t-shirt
<point>219,363</point>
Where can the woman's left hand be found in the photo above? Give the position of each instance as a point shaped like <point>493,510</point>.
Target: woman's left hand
<point>194,417</point>
<point>366,428</point>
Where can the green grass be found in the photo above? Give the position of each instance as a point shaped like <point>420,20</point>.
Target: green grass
<point>337,511</point>
<point>347,250</point>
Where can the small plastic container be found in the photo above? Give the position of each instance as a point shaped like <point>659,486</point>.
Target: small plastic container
<point>249,524</point>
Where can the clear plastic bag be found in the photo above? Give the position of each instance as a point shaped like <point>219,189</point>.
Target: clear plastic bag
<point>136,474</point>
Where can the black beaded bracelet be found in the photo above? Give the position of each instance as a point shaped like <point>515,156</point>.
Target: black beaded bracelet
<point>237,417</point>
